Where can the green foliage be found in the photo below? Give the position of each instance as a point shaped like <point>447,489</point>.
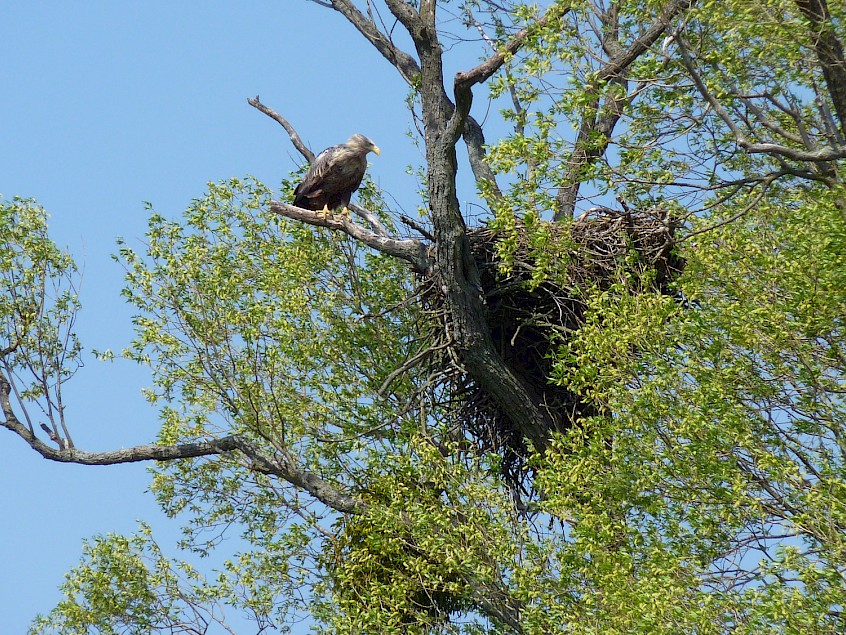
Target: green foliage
<point>435,538</point>
<point>726,452</point>
<point>263,322</point>
<point>113,591</point>
<point>708,497</point>
<point>127,585</point>
<point>38,305</point>
<point>280,332</point>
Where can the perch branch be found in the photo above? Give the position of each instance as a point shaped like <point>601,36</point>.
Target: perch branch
<point>295,138</point>
<point>371,218</point>
<point>412,251</point>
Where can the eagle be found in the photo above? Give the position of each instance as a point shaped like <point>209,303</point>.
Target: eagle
<point>334,175</point>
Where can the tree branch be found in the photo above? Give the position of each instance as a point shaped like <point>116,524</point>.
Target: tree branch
<point>829,52</point>
<point>371,218</point>
<point>483,71</point>
<point>465,80</point>
<point>282,464</point>
<point>375,224</point>
<point>409,70</point>
<point>474,140</point>
<point>409,18</point>
<point>621,62</point>
<point>412,251</point>
<point>402,61</point>
<point>810,156</point>
<point>598,124</point>
<point>295,138</point>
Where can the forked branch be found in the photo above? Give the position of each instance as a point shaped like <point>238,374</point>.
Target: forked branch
<point>281,464</point>
<point>407,66</point>
<point>600,120</point>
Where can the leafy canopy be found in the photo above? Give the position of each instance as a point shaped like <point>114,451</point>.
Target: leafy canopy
<point>710,495</point>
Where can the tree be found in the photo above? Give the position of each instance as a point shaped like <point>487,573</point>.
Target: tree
<point>319,378</point>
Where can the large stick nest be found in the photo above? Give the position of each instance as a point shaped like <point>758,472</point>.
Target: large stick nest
<point>529,321</point>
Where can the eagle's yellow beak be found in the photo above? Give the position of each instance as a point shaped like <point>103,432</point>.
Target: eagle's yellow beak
<point>376,150</point>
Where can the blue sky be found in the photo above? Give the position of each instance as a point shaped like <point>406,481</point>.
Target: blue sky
<point>104,106</point>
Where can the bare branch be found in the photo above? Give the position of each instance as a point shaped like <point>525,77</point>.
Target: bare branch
<point>282,464</point>
<point>409,18</point>
<point>402,61</point>
<point>417,227</point>
<point>588,147</point>
<point>765,183</point>
<point>295,138</point>
<point>11,348</point>
<point>371,219</point>
<point>125,455</point>
<point>6,403</point>
<point>54,436</point>
<point>474,139</point>
<point>412,251</point>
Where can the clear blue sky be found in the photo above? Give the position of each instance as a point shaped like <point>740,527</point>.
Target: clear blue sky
<point>106,105</point>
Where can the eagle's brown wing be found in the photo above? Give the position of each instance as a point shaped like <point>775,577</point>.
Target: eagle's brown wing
<point>332,178</point>
<point>310,193</point>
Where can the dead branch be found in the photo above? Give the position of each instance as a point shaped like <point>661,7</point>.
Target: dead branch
<point>412,251</point>
<point>295,138</point>
<point>402,61</point>
<point>417,227</point>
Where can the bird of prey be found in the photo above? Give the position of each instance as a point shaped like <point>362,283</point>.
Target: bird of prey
<point>334,175</point>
